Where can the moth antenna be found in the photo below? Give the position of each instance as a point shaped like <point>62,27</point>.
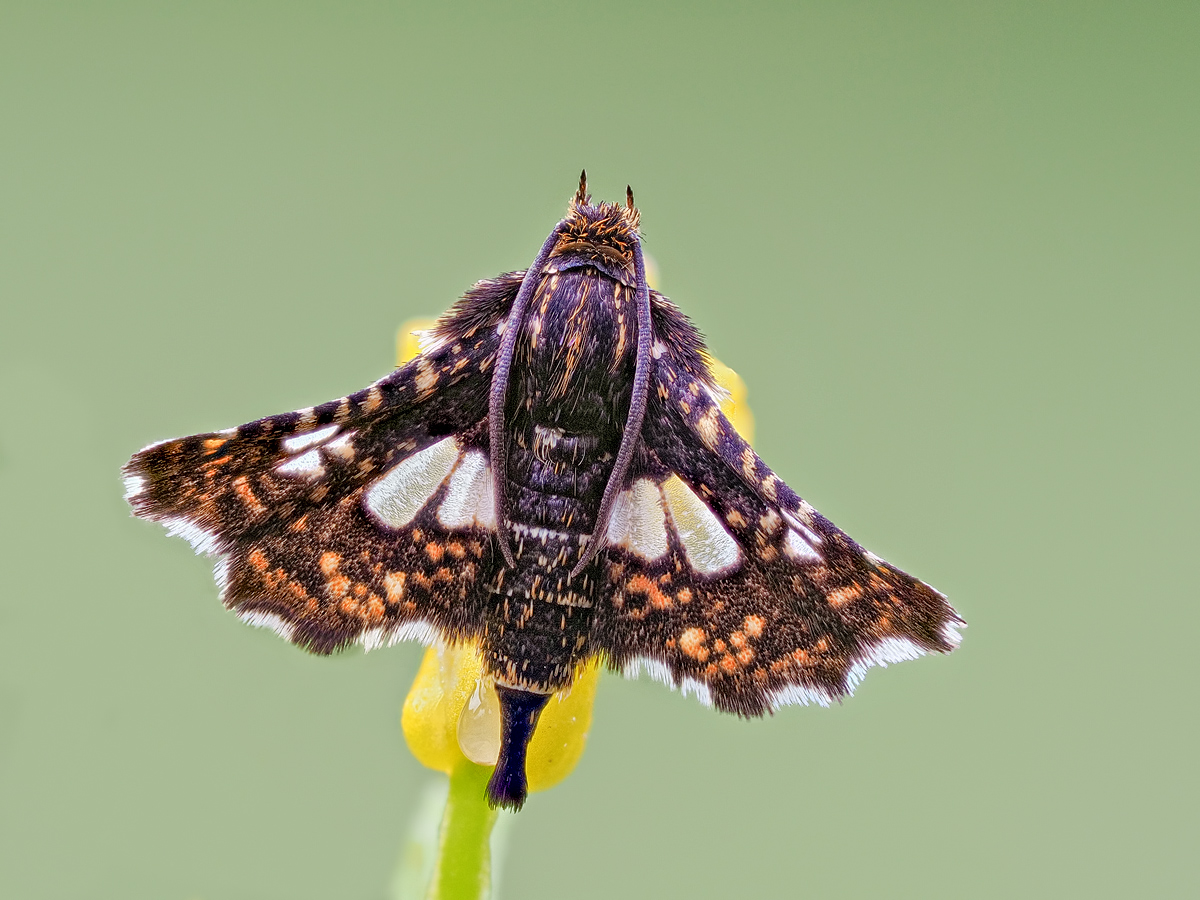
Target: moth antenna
<point>581,195</point>
<point>498,397</point>
<point>632,216</point>
<point>633,421</point>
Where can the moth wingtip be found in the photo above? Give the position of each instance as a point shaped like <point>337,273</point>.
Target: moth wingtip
<point>951,634</point>
<point>135,484</point>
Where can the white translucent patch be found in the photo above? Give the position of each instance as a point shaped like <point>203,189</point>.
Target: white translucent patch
<point>307,439</point>
<point>888,650</point>
<point>798,548</point>
<point>261,619</point>
<point>469,501</point>
<point>658,350</point>
<point>813,539</point>
<point>202,541</point>
<point>708,546</point>
<point>638,523</point>
<point>134,485</point>
<point>342,445</point>
<point>374,638</point>
<point>306,465</point>
<point>799,695</point>
<point>396,497</point>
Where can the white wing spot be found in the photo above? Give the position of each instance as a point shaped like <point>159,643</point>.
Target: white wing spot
<point>396,497</point>
<point>813,539</point>
<point>797,547</point>
<point>306,465</point>
<point>638,523</point>
<point>469,500</point>
<point>709,547</point>
<point>299,442</point>
<point>342,446</point>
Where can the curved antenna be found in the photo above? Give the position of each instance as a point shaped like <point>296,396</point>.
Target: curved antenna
<point>633,421</point>
<point>499,393</point>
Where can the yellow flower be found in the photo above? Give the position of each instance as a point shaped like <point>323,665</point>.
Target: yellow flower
<point>734,406</point>
<point>451,716</point>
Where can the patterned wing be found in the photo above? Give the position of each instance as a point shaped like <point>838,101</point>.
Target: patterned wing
<point>726,584</point>
<point>364,519</point>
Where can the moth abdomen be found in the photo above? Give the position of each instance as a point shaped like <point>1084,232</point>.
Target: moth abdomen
<point>563,425</point>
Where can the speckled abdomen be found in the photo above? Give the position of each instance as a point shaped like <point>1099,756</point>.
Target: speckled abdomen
<point>563,428</point>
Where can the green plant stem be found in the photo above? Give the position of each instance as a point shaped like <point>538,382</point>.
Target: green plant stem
<point>464,863</point>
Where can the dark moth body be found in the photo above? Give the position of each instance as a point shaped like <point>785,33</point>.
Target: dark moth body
<point>565,411</point>
<point>552,478</point>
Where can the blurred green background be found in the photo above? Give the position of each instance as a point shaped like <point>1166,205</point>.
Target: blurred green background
<point>954,250</point>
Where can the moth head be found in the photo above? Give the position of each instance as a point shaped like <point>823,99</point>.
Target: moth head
<point>604,235</point>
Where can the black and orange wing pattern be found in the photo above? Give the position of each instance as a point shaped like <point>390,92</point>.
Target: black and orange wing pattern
<point>553,477</point>
<point>723,583</point>
<point>361,520</point>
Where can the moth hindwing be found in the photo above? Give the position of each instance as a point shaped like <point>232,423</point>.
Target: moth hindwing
<point>552,477</point>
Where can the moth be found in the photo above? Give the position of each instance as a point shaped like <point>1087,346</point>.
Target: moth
<point>552,477</point>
